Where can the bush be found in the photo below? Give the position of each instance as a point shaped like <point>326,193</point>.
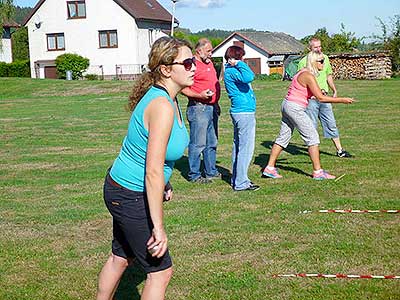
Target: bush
<point>273,76</point>
<point>19,68</point>
<point>71,62</point>
<point>91,77</point>
<point>3,69</point>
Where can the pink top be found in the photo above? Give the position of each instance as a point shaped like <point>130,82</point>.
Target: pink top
<point>205,77</point>
<point>298,93</point>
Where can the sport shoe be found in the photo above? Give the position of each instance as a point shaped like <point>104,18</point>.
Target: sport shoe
<point>201,180</point>
<point>322,175</point>
<point>271,173</point>
<point>343,153</point>
<point>251,187</point>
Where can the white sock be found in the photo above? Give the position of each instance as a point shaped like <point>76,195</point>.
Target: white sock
<point>317,171</point>
<point>270,168</point>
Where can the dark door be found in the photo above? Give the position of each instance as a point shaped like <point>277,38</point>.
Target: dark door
<point>254,64</point>
<point>50,72</point>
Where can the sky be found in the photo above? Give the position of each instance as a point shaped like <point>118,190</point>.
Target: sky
<point>298,18</point>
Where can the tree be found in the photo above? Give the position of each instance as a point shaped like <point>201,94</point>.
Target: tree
<point>344,41</point>
<point>390,39</point>
<point>339,42</point>
<point>20,44</point>
<point>7,11</point>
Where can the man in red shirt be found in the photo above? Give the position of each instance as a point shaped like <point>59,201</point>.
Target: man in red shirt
<point>202,113</point>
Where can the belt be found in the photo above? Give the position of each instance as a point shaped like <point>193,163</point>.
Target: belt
<point>112,181</point>
<point>193,102</point>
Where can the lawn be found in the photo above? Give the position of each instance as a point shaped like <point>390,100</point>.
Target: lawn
<point>57,139</point>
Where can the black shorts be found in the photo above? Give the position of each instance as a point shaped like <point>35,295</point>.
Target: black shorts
<point>132,226</point>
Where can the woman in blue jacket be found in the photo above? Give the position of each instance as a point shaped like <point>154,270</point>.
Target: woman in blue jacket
<point>238,77</point>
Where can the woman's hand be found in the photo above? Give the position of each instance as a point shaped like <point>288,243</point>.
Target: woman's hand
<point>168,195</point>
<point>348,100</point>
<point>233,62</point>
<point>158,242</point>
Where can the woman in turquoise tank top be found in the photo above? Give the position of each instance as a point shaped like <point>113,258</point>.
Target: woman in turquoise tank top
<point>137,183</point>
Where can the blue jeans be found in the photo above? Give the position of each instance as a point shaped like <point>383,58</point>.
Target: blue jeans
<point>244,133</point>
<point>323,111</point>
<point>203,122</point>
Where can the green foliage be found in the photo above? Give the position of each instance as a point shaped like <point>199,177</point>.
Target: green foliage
<point>71,62</point>
<point>21,13</point>
<point>215,36</point>
<point>273,76</point>
<point>390,39</point>
<point>7,11</point>
<point>19,68</point>
<point>91,77</point>
<point>20,44</point>
<point>218,65</point>
<point>3,69</point>
<point>338,42</point>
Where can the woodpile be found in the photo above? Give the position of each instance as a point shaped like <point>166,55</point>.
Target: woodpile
<point>376,65</point>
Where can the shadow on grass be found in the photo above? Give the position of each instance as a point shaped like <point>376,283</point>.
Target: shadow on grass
<point>294,149</point>
<point>282,163</point>
<point>182,166</point>
<point>127,288</point>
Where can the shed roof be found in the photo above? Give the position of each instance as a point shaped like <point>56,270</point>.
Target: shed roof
<point>271,42</point>
<point>11,24</point>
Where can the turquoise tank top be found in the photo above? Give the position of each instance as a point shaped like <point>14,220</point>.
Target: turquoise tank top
<point>129,167</point>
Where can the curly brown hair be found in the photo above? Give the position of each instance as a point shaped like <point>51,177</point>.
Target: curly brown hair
<point>163,52</point>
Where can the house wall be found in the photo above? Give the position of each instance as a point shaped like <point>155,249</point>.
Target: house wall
<point>5,51</point>
<point>251,52</point>
<point>82,37</point>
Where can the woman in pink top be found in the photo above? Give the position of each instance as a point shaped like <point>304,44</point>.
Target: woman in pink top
<point>303,87</point>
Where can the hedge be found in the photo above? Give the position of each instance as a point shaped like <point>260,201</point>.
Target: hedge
<point>19,68</point>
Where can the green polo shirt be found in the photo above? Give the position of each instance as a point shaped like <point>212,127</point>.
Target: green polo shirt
<point>323,75</point>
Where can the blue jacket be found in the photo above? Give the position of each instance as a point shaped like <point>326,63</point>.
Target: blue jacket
<point>237,84</point>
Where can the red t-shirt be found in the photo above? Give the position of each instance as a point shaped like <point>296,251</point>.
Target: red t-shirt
<point>205,77</point>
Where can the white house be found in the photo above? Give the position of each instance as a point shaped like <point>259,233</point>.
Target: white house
<point>265,51</point>
<point>116,35</point>
<point>6,46</point>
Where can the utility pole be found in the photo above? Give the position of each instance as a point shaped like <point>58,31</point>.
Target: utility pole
<point>173,16</point>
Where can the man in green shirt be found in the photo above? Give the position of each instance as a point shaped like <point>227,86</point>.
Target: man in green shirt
<point>323,111</point>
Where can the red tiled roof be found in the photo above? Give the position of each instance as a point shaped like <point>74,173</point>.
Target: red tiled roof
<point>145,10</point>
<point>139,9</point>
<point>10,24</point>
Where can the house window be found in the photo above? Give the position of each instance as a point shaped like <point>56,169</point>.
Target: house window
<point>55,42</point>
<point>76,9</point>
<point>108,39</point>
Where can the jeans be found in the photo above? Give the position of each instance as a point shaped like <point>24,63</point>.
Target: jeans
<point>244,133</point>
<point>323,111</point>
<point>203,122</point>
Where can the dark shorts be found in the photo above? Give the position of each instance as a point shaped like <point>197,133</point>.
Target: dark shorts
<point>132,226</point>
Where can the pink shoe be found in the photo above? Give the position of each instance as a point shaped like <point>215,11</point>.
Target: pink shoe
<point>322,175</point>
<point>271,173</point>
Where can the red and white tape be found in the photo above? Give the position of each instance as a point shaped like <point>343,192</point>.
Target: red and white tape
<point>356,211</point>
<point>340,276</point>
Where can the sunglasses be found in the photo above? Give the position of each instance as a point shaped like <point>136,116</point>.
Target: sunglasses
<point>321,61</point>
<point>187,63</point>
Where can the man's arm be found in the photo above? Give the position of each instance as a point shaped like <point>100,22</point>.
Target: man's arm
<point>329,77</point>
<point>203,96</point>
<point>331,84</point>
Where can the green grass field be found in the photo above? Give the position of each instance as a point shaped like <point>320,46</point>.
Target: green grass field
<point>57,139</point>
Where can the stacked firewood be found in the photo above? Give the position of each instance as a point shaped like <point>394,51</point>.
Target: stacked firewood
<point>361,66</point>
